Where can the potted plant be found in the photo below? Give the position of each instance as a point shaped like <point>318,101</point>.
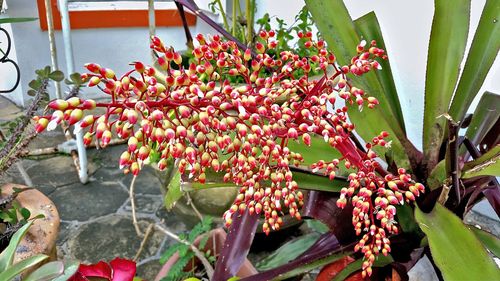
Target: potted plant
<point>21,205</point>
<point>194,254</point>
<point>382,215</point>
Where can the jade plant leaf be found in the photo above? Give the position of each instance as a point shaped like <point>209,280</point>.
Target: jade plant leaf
<point>486,165</point>
<point>482,54</point>
<point>288,252</point>
<point>455,249</point>
<point>450,27</point>
<point>381,261</point>
<point>16,269</point>
<point>490,242</point>
<point>7,256</point>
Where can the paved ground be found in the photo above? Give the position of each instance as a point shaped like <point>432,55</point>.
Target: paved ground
<point>96,219</point>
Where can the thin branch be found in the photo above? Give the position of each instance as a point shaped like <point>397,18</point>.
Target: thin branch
<point>196,251</point>
<point>132,204</point>
<point>143,242</point>
<point>190,202</point>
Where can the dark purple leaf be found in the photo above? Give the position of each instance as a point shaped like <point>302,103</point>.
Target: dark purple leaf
<point>323,207</point>
<point>493,196</point>
<point>237,245</point>
<point>326,245</point>
<point>191,5</point>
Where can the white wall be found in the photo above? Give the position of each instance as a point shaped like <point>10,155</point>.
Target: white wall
<point>406,28</point>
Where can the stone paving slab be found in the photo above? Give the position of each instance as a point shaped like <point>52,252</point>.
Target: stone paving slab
<point>83,202</point>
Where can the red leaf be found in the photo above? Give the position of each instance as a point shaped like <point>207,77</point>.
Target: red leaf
<point>123,270</point>
<point>100,269</point>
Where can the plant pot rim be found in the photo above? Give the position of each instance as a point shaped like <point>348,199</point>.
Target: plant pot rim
<point>42,235</point>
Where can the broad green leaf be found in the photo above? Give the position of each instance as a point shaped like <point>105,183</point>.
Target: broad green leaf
<point>174,191</point>
<point>490,241</point>
<point>450,27</point>
<point>287,252</point>
<point>437,176</point>
<point>354,266</point>
<point>310,266</point>
<point>486,165</point>
<point>18,268</point>
<point>16,20</point>
<point>317,226</point>
<point>338,30</point>
<point>455,249</point>
<point>482,54</point>
<point>70,267</point>
<point>486,114</point>
<point>406,218</point>
<point>369,28</point>
<point>311,181</point>
<point>46,272</point>
<point>7,256</point>
<point>319,150</point>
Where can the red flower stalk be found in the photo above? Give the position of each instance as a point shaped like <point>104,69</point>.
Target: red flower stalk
<point>196,116</point>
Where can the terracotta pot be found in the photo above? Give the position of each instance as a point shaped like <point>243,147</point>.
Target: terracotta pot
<point>42,235</point>
<point>219,235</point>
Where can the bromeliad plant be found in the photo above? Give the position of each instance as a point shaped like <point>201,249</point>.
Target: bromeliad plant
<point>244,130</point>
<point>249,133</point>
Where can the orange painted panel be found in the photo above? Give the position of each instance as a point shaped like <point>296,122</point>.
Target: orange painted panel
<point>110,19</point>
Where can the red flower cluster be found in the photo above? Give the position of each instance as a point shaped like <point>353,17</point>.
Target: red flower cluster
<point>195,115</point>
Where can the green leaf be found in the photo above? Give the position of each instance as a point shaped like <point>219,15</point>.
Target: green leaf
<point>310,181</point>
<point>406,218</point>
<point>318,150</point>
<point>16,20</point>
<point>490,241</point>
<point>174,191</point>
<point>484,49</point>
<point>56,75</point>
<point>70,267</point>
<point>486,165</point>
<point>354,266</point>
<point>35,84</point>
<point>16,269</point>
<point>7,255</point>
<point>76,78</point>
<point>369,28</point>
<point>486,114</point>
<point>455,249</point>
<point>437,176</point>
<point>25,213</point>
<point>287,252</point>
<point>450,27</point>
<point>338,30</point>
<point>310,266</point>
<point>47,272</point>
<point>317,226</point>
